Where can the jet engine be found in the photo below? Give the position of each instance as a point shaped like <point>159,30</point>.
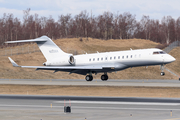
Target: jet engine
<point>63,60</point>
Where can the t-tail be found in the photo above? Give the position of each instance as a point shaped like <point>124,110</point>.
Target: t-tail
<point>49,49</point>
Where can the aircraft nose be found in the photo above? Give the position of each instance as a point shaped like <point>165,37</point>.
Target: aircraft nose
<point>172,59</point>
<point>169,59</point>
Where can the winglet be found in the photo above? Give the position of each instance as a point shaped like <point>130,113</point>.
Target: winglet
<point>13,63</point>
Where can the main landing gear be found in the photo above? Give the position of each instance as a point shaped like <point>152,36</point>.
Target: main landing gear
<point>89,78</point>
<point>103,77</point>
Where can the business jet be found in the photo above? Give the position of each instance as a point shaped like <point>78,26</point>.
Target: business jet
<point>89,64</point>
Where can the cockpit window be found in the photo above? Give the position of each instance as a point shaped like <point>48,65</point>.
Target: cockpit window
<point>155,53</point>
<point>162,52</point>
<point>159,52</point>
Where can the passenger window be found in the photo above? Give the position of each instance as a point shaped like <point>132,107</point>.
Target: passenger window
<point>106,58</point>
<point>131,56</point>
<point>122,57</point>
<point>118,57</point>
<point>98,59</point>
<point>89,59</point>
<point>101,58</point>
<point>93,59</point>
<point>114,57</point>
<point>110,58</point>
<point>127,56</point>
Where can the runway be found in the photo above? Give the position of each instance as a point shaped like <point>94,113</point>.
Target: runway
<point>142,83</point>
<point>92,108</point>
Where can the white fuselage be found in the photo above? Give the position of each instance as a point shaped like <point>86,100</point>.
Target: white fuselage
<point>119,60</point>
<point>130,58</point>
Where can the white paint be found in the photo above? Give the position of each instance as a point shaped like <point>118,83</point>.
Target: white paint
<point>122,103</point>
<point>85,107</point>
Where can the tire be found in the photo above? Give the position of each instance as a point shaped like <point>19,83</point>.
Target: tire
<point>162,73</point>
<point>89,78</point>
<point>104,77</point>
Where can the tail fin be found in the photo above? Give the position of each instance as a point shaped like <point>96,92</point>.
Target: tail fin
<point>49,49</point>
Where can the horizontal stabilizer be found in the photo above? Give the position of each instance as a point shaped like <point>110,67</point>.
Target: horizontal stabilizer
<point>31,40</point>
<point>13,63</point>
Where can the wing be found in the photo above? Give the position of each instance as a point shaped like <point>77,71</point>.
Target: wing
<point>72,69</point>
<point>83,70</point>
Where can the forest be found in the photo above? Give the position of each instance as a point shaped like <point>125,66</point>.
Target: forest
<point>105,26</point>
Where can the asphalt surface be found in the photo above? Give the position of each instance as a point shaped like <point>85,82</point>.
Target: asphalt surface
<point>143,82</point>
<point>18,107</point>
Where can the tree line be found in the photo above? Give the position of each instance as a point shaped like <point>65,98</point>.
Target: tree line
<point>105,26</point>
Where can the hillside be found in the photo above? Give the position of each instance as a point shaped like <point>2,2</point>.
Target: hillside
<point>74,45</point>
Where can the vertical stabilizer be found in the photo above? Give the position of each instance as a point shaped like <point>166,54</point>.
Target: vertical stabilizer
<point>49,49</point>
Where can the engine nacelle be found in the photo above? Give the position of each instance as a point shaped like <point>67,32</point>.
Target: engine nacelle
<point>71,60</point>
<point>64,60</point>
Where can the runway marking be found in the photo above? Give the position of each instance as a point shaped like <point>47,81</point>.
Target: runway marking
<point>79,107</point>
<point>113,108</point>
<point>123,103</point>
<point>27,106</point>
<point>173,119</point>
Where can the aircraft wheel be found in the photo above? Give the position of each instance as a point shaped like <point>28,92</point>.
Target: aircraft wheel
<point>104,77</point>
<point>89,78</point>
<point>162,73</point>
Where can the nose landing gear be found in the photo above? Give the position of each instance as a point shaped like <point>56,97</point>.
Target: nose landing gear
<point>162,69</point>
<point>162,73</point>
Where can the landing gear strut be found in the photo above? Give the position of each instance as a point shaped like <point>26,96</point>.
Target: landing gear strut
<point>104,77</point>
<point>89,78</point>
<point>162,69</point>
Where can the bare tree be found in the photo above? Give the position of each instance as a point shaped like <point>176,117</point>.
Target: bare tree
<point>168,28</point>
<point>104,26</point>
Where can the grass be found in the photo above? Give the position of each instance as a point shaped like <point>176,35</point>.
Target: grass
<point>111,91</point>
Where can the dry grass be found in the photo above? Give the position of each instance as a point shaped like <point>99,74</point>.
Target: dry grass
<point>90,45</point>
<point>91,91</point>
